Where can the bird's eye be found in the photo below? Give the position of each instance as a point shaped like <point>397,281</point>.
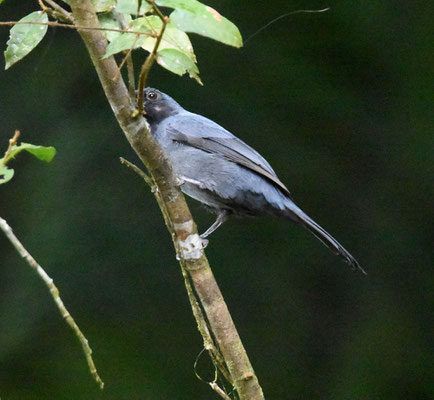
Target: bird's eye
<point>152,95</point>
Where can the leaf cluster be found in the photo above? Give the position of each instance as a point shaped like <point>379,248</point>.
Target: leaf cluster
<point>133,24</point>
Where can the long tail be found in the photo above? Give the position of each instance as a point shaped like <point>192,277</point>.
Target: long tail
<point>298,216</point>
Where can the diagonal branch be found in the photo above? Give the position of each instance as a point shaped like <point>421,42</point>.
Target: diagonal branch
<point>188,244</point>
<point>202,324</point>
<point>4,226</point>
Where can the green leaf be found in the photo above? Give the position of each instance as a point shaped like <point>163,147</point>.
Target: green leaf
<point>42,152</point>
<point>112,20</point>
<point>1,1</point>
<point>173,38</point>
<point>130,7</point>
<point>126,41</point>
<point>103,5</point>
<point>25,37</point>
<point>178,63</point>
<point>193,16</point>
<point>6,174</point>
<point>175,52</point>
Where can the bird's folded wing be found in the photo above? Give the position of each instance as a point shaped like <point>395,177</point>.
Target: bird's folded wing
<point>232,149</point>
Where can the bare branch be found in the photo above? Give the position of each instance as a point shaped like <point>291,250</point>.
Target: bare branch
<point>43,7</point>
<point>131,76</point>
<point>4,226</point>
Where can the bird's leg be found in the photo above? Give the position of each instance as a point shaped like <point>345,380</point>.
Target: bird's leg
<point>179,181</point>
<point>222,216</point>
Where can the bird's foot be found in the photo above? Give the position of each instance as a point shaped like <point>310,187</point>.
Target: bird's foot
<point>204,241</point>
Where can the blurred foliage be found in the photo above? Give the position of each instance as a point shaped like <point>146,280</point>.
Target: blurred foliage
<point>340,103</point>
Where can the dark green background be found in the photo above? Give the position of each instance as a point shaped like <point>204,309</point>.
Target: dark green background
<point>340,103</point>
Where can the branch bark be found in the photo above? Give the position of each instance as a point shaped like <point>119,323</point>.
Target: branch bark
<point>178,217</point>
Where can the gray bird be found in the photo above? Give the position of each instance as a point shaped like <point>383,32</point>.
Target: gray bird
<point>222,172</point>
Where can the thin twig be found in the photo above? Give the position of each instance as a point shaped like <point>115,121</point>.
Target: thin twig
<point>4,226</point>
<point>131,77</point>
<point>152,184</point>
<point>185,231</point>
<point>138,171</point>
<point>219,390</point>
<point>75,27</point>
<point>126,58</point>
<point>12,142</point>
<point>146,67</point>
<point>44,8</point>
<point>52,13</point>
<point>65,14</point>
<point>157,10</point>
<point>139,5</point>
<point>130,63</point>
<point>214,386</point>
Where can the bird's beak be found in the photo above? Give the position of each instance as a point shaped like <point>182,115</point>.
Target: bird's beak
<point>144,112</point>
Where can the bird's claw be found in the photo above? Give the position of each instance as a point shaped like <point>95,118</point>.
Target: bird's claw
<point>204,241</point>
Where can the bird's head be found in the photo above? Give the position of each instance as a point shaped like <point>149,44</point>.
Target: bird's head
<point>157,106</point>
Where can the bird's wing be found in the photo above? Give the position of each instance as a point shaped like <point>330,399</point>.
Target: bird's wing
<point>204,134</point>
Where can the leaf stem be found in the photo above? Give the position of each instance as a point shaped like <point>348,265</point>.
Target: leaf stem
<point>185,236</point>
<point>146,67</point>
